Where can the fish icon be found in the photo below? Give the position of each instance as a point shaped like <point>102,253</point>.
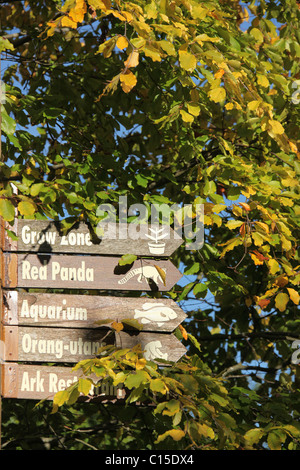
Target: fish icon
<point>157,312</point>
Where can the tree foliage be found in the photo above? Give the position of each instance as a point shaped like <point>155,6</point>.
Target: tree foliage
<point>183,102</point>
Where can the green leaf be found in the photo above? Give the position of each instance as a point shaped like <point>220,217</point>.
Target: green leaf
<point>84,386</point>
<point>8,125</point>
<point>36,189</point>
<point>61,397</point>
<point>27,208</point>
<point>127,259</point>
<point>281,301</point>
<point>217,94</point>
<point>187,60</point>
<point>7,210</point>
<point>133,323</point>
<point>135,379</point>
<point>275,439</point>
<point>157,385</point>
<point>141,180</point>
<point>5,44</point>
<point>253,436</point>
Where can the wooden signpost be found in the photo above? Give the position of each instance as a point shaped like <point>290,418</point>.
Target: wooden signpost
<point>35,344</point>
<point>46,327</point>
<point>89,311</point>
<point>117,239</point>
<point>43,382</point>
<point>87,272</point>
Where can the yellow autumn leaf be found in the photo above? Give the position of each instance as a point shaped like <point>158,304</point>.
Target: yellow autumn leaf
<point>245,206</point>
<point>276,127</point>
<point>117,326</point>
<point>152,52</point>
<point>122,42</point>
<point>128,81</point>
<point>273,266</point>
<point>229,106</point>
<point>27,208</point>
<point>263,226</point>
<point>294,296</point>
<point>186,117</point>
<point>232,224</point>
<point>219,73</point>
<point>183,332</point>
<point>176,434</point>
<point>230,245</point>
<point>162,274</point>
<point>104,5</point>
<point>193,109</point>
<point>77,13</point>
<point>67,22</point>
<point>281,301</point>
<point>187,61</point>
<point>123,16</point>
<point>253,105</point>
<point>133,59</point>
<point>293,147</point>
<point>140,364</point>
<point>256,259</point>
<point>217,94</point>
<point>286,244</point>
<point>257,238</point>
<point>263,81</point>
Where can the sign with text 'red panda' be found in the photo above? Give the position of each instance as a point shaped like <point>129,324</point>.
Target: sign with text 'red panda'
<point>87,272</point>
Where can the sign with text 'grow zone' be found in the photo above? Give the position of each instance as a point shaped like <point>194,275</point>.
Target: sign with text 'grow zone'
<point>113,239</point>
<point>46,327</point>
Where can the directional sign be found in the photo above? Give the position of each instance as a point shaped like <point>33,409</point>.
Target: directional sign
<point>114,239</point>
<point>43,382</point>
<point>79,311</point>
<point>36,344</point>
<point>87,272</point>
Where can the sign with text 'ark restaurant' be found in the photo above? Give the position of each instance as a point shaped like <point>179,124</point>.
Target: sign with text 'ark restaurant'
<point>38,382</point>
<point>89,311</point>
<point>117,239</point>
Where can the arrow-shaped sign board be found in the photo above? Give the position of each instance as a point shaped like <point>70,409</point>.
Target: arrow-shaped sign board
<point>89,311</point>
<point>36,344</point>
<point>87,272</point>
<point>115,239</point>
<point>43,382</point>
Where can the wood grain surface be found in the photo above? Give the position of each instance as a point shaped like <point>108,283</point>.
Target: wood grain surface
<point>86,311</point>
<point>117,239</point>
<point>87,272</point>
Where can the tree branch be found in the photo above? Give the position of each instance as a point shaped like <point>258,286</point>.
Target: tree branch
<point>270,335</point>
